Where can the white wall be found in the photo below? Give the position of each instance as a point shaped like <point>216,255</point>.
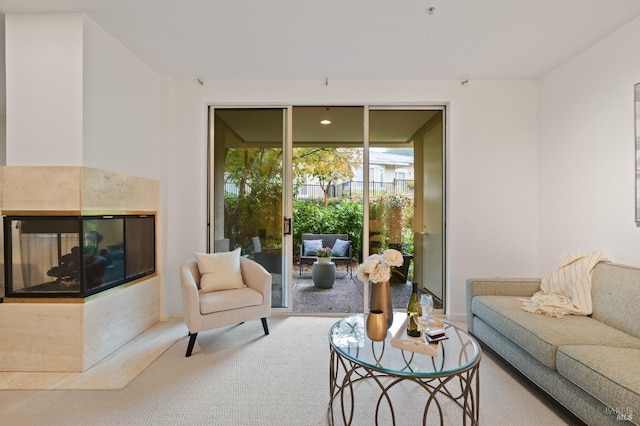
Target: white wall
<point>186,189</point>
<point>79,97</point>
<point>3,139</point>
<point>534,169</point>
<point>3,95</point>
<point>587,171</point>
<point>519,192</point>
<point>127,120</point>
<point>492,221</point>
<point>44,89</point>
<point>167,120</point>
<point>491,166</point>
<point>122,109</point>
<point>76,96</point>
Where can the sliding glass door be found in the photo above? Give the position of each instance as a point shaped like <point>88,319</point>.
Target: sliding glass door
<point>328,201</point>
<point>406,195</point>
<point>375,174</point>
<point>248,179</point>
<point>430,225</point>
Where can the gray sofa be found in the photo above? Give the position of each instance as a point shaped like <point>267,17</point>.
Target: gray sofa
<point>328,240</point>
<point>590,365</point>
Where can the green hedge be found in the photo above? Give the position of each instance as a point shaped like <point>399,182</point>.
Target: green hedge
<point>339,217</point>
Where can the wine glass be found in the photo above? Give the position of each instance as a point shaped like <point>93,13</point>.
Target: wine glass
<point>426,307</point>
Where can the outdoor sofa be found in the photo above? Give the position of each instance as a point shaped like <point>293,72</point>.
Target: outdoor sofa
<point>343,252</point>
<point>589,364</point>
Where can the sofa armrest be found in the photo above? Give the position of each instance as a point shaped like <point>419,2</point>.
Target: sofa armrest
<point>518,287</point>
<point>190,298</point>
<point>256,277</point>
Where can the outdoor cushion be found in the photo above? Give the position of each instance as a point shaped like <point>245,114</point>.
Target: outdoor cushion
<point>341,248</point>
<point>310,247</point>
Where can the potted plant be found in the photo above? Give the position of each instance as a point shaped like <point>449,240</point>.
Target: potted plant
<point>324,254</point>
<point>400,273</point>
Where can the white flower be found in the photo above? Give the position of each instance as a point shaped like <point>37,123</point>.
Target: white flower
<point>393,257</point>
<point>380,273</point>
<point>377,267</point>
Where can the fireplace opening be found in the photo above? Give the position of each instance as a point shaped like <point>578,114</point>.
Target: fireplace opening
<point>76,256</point>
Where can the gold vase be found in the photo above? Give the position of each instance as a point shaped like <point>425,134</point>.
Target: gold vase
<point>381,300</point>
<point>376,326</point>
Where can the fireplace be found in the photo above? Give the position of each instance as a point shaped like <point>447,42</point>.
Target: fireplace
<point>76,256</point>
<point>70,233</point>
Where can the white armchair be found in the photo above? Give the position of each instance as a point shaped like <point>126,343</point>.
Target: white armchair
<point>205,310</point>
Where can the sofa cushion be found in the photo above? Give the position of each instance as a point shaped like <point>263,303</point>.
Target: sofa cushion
<point>613,287</point>
<point>310,247</point>
<point>341,248</point>
<point>541,335</point>
<point>224,300</point>
<point>607,373</point>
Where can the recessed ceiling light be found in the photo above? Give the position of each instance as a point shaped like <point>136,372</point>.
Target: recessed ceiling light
<point>325,122</point>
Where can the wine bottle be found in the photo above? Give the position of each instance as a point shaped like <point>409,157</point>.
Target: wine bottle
<point>413,312</point>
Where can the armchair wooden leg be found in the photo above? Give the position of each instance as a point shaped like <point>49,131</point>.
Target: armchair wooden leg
<point>192,341</point>
<point>265,326</point>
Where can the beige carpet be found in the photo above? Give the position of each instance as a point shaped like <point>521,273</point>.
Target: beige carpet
<point>238,376</point>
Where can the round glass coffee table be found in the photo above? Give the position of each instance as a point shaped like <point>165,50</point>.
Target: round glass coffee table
<point>375,382</point>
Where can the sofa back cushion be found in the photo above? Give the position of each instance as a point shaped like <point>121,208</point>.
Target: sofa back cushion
<point>310,247</point>
<point>341,248</point>
<point>328,240</point>
<point>616,296</point>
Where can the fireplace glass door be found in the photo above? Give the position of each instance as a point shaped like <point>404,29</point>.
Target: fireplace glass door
<point>76,256</point>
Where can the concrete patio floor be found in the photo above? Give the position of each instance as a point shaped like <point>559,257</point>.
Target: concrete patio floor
<point>344,297</point>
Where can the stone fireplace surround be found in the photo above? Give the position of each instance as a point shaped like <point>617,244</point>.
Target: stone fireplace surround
<point>74,334</point>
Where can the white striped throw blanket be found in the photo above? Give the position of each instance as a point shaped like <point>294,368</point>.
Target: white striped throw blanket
<point>567,289</point>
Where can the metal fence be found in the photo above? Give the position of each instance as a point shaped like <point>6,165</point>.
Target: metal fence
<point>346,189</point>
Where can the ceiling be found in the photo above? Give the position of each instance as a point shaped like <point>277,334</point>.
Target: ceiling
<point>271,40</point>
<point>350,39</point>
<point>390,127</point>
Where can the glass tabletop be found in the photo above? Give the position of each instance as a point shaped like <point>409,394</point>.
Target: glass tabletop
<point>457,353</point>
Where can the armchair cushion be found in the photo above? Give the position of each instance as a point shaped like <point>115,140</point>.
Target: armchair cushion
<point>218,301</point>
<point>310,247</point>
<point>341,248</point>
<point>220,271</point>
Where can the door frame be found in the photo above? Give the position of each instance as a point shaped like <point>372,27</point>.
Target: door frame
<point>287,195</point>
<point>287,191</point>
